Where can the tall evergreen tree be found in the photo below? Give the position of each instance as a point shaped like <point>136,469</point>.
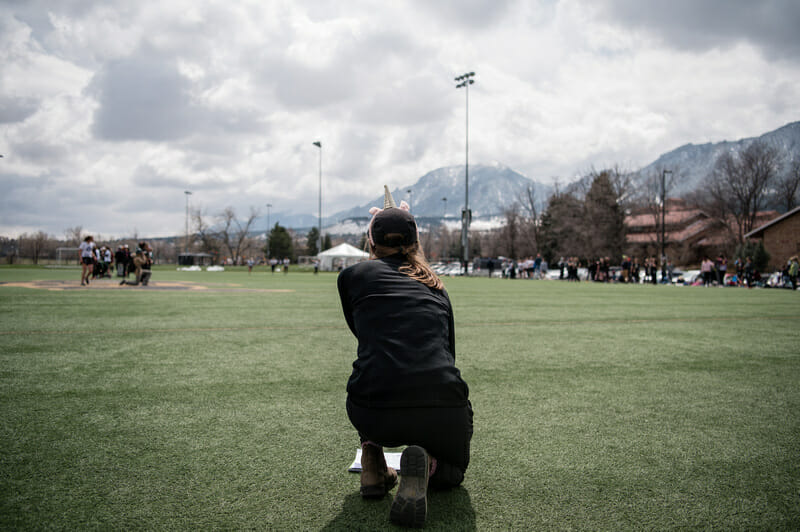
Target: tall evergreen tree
<point>311,242</point>
<point>604,220</point>
<point>562,228</point>
<point>280,242</point>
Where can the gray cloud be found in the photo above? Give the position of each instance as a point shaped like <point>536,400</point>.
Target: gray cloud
<point>303,87</point>
<point>16,109</point>
<point>43,201</point>
<point>143,97</point>
<point>43,152</point>
<point>471,14</point>
<point>771,25</point>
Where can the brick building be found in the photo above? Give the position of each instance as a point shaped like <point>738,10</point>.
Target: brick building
<point>690,233</point>
<point>781,237</point>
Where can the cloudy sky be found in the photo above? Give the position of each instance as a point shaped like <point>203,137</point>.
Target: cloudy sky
<point>110,110</point>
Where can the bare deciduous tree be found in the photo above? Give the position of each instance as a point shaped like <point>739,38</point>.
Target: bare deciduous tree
<point>652,195</point>
<point>509,234</point>
<point>739,183</point>
<point>622,184</point>
<point>787,186</point>
<point>34,245</point>
<point>234,233</point>
<point>74,235</point>
<point>530,230</point>
<point>204,234</point>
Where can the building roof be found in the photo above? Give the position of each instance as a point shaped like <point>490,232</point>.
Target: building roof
<point>761,228</point>
<point>685,233</point>
<point>671,217</point>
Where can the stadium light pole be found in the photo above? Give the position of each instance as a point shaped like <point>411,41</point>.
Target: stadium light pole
<point>269,206</point>
<point>465,80</point>
<point>186,242</point>
<point>663,218</point>
<point>318,144</point>
<point>444,217</point>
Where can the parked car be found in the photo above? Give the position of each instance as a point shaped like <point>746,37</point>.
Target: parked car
<point>689,277</point>
<point>450,269</point>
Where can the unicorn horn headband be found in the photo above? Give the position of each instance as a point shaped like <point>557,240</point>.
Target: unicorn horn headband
<point>399,221</point>
<point>388,200</point>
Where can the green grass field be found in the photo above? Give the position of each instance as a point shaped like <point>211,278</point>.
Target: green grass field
<point>220,405</point>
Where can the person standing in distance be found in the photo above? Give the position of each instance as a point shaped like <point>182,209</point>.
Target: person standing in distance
<point>87,248</point>
<point>404,388</point>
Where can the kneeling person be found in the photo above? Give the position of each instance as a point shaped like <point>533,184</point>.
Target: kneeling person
<point>405,388</point>
<point>141,263</point>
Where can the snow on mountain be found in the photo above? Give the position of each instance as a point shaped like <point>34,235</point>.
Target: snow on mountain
<point>693,162</point>
<point>492,189</point>
<point>495,187</point>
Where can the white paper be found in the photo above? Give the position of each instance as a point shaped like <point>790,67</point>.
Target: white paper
<point>392,460</point>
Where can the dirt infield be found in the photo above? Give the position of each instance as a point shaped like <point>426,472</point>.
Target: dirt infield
<point>110,284</point>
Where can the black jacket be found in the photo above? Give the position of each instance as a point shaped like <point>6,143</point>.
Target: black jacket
<point>406,339</point>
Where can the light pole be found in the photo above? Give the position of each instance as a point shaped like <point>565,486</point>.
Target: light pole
<point>269,206</point>
<point>318,144</point>
<point>465,80</point>
<point>663,219</point>
<point>444,217</point>
<point>186,242</point>
<point>410,197</point>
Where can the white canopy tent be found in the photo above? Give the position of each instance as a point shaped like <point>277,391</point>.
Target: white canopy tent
<point>342,255</point>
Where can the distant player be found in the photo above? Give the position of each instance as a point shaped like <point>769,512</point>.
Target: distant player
<point>87,248</point>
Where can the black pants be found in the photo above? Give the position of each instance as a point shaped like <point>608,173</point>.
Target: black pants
<point>445,433</point>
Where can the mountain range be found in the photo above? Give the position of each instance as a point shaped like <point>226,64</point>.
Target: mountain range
<point>441,192</point>
<point>691,163</point>
<point>494,187</point>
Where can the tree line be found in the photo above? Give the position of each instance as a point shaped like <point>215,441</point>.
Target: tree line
<point>586,218</point>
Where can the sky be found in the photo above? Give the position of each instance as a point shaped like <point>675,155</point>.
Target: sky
<point>110,110</point>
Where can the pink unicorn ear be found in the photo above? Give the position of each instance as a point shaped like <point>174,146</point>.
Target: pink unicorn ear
<point>374,210</point>
<point>404,206</point>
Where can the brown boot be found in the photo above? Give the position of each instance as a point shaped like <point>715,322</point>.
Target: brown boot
<point>376,477</point>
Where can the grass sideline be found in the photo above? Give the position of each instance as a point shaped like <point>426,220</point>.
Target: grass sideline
<point>597,407</point>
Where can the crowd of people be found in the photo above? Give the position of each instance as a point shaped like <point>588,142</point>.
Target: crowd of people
<point>713,272</point>
<point>98,262</point>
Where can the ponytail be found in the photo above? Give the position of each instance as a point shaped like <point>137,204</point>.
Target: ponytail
<point>417,266</point>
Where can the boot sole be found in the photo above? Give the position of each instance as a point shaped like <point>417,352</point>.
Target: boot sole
<point>410,504</point>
